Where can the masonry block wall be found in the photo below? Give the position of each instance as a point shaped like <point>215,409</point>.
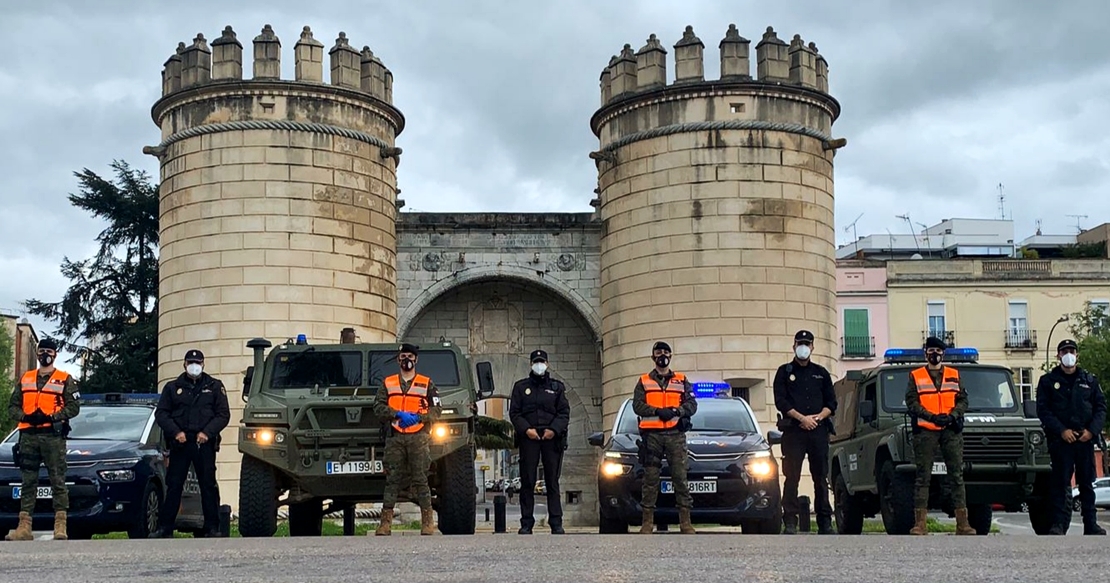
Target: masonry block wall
<point>278,202</point>
<point>716,202</point>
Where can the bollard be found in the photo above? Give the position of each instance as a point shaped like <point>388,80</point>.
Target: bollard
<point>225,520</point>
<point>803,514</point>
<point>499,513</point>
<point>487,514</point>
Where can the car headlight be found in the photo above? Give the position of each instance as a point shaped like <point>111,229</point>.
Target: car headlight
<point>265,436</point>
<point>116,475</point>
<point>613,469</point>
<point>1036,438</point>
<point>759,454</point>
<point>760,468</point>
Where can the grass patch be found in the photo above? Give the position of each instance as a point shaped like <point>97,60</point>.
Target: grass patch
<point>329,528</point>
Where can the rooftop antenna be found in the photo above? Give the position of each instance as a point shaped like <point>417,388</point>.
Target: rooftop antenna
<point>1078,225</point>
<point>906,217</point>
<point>1002,203</point>
<point>852,226</point>
<point>1038,227</point>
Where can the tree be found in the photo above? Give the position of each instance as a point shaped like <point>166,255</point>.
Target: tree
<point>493,433</point>
<point>7,381</point>
<point>113,298</point>
<point>1091,331</point>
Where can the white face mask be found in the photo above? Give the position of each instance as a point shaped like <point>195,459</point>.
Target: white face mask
<point>1068,360</point>
<point>802,351</point>
<point>194,370</point>
<point>539,368</point>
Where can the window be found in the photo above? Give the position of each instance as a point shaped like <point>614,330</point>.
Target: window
<point>115,423</point>
<point>309,369</point>
<point>857,333</point>
<point>1103,305</point>
<point>989,389</point>
<point>725,415</point>
<point>1023,382</point>
<point>1017,332</point>
<point>438,365</point>
<point>937,324</point>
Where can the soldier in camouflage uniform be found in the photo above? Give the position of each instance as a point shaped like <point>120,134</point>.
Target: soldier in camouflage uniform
<point>409,402</point>
<point>43,402</point>
<point>664,401</point>
<point>937,401</point>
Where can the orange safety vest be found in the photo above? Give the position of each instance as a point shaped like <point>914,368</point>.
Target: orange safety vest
<point>48,399</point>
<point>937,401</point>
<point>414,401</point>
<point>662,398</point>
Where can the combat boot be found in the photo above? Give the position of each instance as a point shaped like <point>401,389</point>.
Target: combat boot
<point>60,525</point>
<point>385,528</point>
<point>790,525</point>
<point>427,521</point>
<point>648,521</point>
<point>23,531</point>
<point>962,526</point>
<point>920,522</point>
<point>684,525</point>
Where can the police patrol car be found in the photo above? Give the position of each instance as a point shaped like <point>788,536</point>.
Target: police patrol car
<point>733,476</point>
<point>116,473</point>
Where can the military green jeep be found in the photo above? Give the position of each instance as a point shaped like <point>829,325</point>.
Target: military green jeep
<point>309,434</point>
<point>872,470</point>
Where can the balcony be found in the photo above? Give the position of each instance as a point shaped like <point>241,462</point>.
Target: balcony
<point>1021,339</point>
<point>948,336</point>
<point>858,347</point>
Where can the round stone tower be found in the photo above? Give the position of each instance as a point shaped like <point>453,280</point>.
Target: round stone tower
<point>278,199</point>
<point>716,200</point>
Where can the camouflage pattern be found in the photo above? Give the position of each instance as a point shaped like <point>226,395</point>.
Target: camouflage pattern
<point>406,462</point>
<point>654,445</point>
<point>951,444</point>
<point>36,450</point>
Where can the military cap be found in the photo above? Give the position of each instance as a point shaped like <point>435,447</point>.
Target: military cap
<point>661,346</point>
<point>803,336</point>
<point>49,344</point>
<point>538,356</point>
<point>409,348</point>
<point>934,342</point>
<point>194,355</point>
<point>1067,343</point>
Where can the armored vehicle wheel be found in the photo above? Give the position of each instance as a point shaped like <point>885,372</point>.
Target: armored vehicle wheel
<point>1040,511</point>
<point>257,499</point>
<point>896,499</point>
<point>980,516</point>
<point>457,493</point>
<point>611,525</point>
<point>306,518</point>
<point>846,509</point>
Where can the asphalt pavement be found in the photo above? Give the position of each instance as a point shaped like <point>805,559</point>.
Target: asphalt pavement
<point>704,558</point>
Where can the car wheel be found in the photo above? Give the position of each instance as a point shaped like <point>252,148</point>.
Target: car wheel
<point>980,517</point>
<point>147,520</point>
<point>849,514</point>
<point>896,500</point>
<point>608,525</point>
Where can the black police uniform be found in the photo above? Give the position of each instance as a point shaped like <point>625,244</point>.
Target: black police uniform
<point>1073,402</point>
<point>807,389</point>
<point>192,406</point>
<point>540,403</point>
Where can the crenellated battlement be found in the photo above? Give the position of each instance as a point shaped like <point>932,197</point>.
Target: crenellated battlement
<point>202,63</point>
<point>777,62</point>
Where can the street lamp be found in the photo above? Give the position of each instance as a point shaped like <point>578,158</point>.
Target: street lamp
<point>1048,344</point>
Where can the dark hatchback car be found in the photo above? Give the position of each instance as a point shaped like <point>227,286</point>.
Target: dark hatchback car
<point>116,474</point>
<point>733,475</point>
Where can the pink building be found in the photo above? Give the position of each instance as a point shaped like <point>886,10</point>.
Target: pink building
<point>861,306</point>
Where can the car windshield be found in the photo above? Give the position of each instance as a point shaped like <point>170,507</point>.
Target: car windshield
<point>115,423</point>
<point>714,415</point>
<point>438,365</point>
<point>308,369</point>
<point>988,389</point>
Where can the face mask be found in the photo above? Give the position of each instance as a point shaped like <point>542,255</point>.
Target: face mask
<point>1068,360</point>
<point>933,358</point>
<point>194,370</point>
<point>662,361</point>
<point>407,364</point>
<point>45,359</point>
<point>802,351</point>
<point>539,368</point>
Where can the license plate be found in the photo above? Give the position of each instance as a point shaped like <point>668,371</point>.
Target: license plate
<point>705,487</point>
<point>374,467</point>
<point>940,468</point>
<point>43,492</point>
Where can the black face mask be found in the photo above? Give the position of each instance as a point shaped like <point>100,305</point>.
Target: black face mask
<point>407,364</point>
<point>662,361</point>
<point>46,359</point>
<point>933,358</point>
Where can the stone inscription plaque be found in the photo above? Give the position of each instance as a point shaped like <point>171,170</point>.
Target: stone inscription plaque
<point>496,327</point>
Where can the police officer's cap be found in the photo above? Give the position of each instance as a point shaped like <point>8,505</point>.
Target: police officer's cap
<point>49,344</point>
<point>538,356</point>
<point>803,336</point>
<point>934,342</point>
<point>661,346</point>
<point>409,348</point>
<point>194,355</point>
<point>1067,343</point>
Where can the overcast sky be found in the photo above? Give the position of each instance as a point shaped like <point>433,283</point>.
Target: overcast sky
<point>941,102</point>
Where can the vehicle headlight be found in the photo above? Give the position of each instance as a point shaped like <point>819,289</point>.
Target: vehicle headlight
<point>613,469</point>
<point>443,431</point>
<point>1036,438</point>
<point>265,436</point>
<point>760,454</point>
<point>116,475</point>
<point>760,468</point>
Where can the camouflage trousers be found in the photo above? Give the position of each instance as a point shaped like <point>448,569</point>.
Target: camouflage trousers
<point>36,450</point>
<point>406,460</point>
<point>653,448</point>
<point>951,445</point>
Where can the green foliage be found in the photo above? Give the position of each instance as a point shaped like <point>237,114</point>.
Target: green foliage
<point>113,296</point>
<point>493,433</point>
<point>1030,254</point>
<point>7,382</point>
<point>1091,331</point>
<point>1084,251</point>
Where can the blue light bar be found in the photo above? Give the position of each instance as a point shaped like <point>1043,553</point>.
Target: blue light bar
<point>908,355</point>
<point>711,389</point>
<point>121,398</point>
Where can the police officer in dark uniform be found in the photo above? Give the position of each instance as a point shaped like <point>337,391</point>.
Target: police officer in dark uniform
<point>1072,409</point>
<point>192,412</point>
<point>540,414</point>
<point>805,398</point>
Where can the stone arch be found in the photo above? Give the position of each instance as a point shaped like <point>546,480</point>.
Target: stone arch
<point>498,273</point>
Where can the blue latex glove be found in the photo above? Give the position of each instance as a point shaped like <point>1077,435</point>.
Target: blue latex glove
<point>407,419</point>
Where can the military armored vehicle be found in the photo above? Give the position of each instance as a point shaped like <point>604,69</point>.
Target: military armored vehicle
<point>309,434</point>
<point>872,470</point>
